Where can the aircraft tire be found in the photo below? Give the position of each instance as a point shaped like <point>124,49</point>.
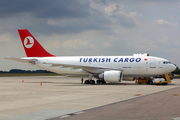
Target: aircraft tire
<point>151,83</point>
<point>164,83</point>
<point>103,82</point>
<point>92,82</point>
<point>98,81</point>
<point>86,82</point>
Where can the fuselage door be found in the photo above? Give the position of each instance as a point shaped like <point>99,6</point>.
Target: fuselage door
<point>152,63</point>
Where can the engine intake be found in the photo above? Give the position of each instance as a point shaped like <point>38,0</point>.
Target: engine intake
<point>111,76</point>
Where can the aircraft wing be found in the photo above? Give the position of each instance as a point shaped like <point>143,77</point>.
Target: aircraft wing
<point>87,68</point>
<point>29,61</point>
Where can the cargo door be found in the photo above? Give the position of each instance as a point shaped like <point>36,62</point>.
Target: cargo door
<point>152,63</point>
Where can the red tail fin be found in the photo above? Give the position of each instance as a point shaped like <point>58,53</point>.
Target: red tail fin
<point>31,45</point>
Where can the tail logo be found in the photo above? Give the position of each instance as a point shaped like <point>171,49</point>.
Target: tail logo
<point>28,42</point>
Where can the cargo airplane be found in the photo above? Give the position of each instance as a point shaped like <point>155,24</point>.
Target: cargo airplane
<point>103,68</point>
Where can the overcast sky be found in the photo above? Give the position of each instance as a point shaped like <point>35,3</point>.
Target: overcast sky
<point>91,27</point>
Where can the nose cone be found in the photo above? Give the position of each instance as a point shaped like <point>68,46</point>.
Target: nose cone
<point>173,67</point>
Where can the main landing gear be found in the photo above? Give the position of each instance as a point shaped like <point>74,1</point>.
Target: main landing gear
<point>101,82</point>
<point>90,81</point>
<point>93,82</point>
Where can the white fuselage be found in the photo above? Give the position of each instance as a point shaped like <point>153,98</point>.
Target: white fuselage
<point>131,66</point>
<point>104,68</point>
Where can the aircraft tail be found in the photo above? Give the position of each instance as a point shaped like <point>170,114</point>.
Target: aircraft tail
<point>31,45</point>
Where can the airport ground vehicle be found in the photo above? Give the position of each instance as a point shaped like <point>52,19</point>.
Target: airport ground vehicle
<point>162,79</point>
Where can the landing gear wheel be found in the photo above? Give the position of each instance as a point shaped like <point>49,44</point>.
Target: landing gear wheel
<point>92,82</point>
<point>98,81</point>
<point>86,82</point>
<point>103,82</point>
<point>151,83</point>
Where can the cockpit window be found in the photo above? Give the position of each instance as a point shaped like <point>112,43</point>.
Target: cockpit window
<point>166,62</point>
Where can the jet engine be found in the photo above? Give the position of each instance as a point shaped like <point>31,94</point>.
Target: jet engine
<point>111,76</point>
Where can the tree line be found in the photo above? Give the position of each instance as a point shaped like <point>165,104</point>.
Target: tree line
<point>25,71</point>
<point>177,71</point>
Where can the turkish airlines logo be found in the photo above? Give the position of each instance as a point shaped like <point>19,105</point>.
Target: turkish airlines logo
<point>28,42</point>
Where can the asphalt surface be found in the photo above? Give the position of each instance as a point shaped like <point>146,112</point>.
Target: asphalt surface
<point>163,105</point>
<point>55,97</point>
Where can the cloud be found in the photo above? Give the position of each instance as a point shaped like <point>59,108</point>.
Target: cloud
<point>44,9</point>
<point>114,9</point>
<point>5,37</point>
<point>76,44</point>
<point>97,4</point>
<point>164,41</point>
<point>52,44</point>
<point>62,17</point>
<point>142,44</point>
<point>164,22</point>
<point>47,17</point>
<point>113,38</point>
<point>77,25</point>
<point>106,44</point>
<point>117,14</point>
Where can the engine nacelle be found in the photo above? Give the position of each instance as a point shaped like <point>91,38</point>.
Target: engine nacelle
<point>111,76</point>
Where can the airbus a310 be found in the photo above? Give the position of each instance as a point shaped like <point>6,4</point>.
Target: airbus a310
<point>103,68</point>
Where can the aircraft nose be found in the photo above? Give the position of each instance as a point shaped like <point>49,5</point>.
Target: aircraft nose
<point>173,67</point>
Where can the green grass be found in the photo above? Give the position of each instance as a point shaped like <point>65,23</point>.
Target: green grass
<point>176,76</point>
<point>27,74</point>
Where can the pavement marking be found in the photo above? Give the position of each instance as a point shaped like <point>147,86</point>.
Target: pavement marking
<point>79,112</point>
<point>66,115</point>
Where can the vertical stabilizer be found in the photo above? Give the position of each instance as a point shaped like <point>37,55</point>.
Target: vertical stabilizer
<point>31,45</point>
